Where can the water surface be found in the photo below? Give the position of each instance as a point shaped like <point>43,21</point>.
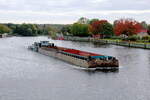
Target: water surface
<point>27,75</point>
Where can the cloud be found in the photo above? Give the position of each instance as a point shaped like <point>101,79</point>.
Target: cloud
<point>68,11</point>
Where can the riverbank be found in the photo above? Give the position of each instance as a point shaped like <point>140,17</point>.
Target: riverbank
<point>110,41</point>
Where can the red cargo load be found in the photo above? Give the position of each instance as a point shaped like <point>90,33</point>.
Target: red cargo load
<point>81,53</point>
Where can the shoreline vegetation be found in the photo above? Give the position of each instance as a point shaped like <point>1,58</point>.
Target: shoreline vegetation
<point>30,29</point>
<point>132,44</point>
<point>124,32</point>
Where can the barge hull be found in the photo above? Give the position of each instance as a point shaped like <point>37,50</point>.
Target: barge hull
<point>72,60</point>
<point>75,61</point>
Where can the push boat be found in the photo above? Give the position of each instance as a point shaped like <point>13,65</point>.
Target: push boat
<point>80,58</point>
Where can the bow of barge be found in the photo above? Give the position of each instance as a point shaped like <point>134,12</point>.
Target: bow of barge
<point>77,57</point>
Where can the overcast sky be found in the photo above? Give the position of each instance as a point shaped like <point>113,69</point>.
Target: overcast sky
<point>69,11</point>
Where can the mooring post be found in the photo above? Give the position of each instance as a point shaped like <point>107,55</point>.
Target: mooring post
<point>145,46</point>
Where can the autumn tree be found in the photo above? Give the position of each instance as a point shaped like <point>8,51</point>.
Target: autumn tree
<point>148,29</point>
<point>127,27</point>
<point>102,27</point>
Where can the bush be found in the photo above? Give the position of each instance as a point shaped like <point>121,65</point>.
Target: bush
<point>116,37</point>
<point>146,38</point>
<point>53,35</point>
<point>133,38</point>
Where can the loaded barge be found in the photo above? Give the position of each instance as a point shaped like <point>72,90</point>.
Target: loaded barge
<point>77,57</point>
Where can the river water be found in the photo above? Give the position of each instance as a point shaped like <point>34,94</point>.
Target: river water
<point>27,75</point>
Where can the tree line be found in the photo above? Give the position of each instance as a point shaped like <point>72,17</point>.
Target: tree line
<point>128,27</point>
<point>83,27</point>
<point>30,29</point>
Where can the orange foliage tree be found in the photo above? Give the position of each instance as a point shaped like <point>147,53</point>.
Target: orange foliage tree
<point>96,26</point>
<point>101,27</point>
<point>127,27</point>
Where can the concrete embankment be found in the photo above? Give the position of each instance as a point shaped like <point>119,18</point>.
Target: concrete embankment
<point>106,41</point>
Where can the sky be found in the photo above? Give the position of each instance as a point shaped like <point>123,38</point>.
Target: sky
<point>69,11</point>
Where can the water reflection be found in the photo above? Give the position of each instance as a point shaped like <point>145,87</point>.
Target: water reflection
<point>98,45</point>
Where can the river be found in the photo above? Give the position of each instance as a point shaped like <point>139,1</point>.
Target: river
<point>27,75</point>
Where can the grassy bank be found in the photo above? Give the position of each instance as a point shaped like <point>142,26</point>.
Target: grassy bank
<point>135,44</point>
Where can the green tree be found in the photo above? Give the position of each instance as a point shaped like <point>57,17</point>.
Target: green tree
<point>107,29</point>
<point>51,30</point>
<point>66,29</point>
<point>144,25</point>
<point>26,30</point>
<point>11,26</point>
<point>4,29</point>
<point>79,29</point>
<point>34,29</point>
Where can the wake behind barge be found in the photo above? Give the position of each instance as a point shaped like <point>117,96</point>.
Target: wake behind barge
<point>80,58</point>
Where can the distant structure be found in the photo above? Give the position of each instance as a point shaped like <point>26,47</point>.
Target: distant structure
<point>143,32</point>
<point>4,35</point>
